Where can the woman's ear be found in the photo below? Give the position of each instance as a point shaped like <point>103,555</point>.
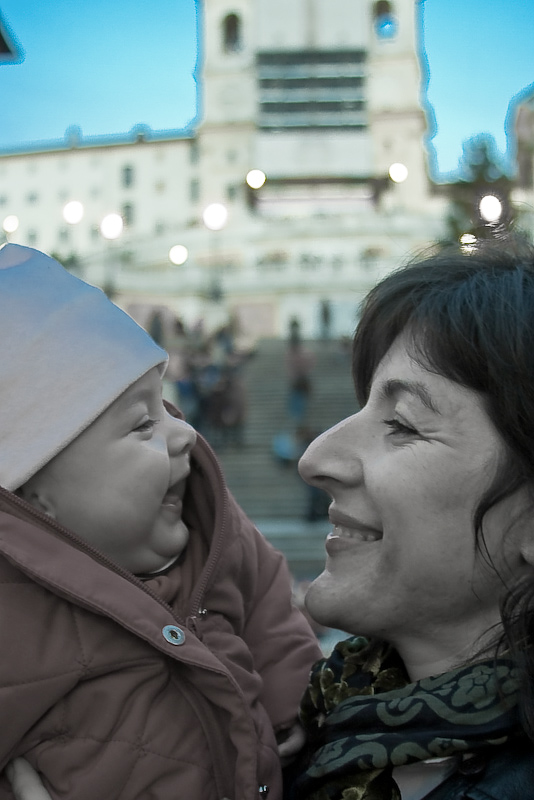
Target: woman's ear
<point>521,531</point>
<point>527,547</point>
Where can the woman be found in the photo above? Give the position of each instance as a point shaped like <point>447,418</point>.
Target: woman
<point>430,560</point>
<point>431,552</point>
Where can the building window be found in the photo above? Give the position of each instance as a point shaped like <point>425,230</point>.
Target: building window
<point>64,235</point>
<point>194,151</point>
<point>95,232</point>
<point>384,19</point>
<point>3,200</point>
<point>32,197</point>
<point>194,191</point>
<point>312,89</point>
<point>128,214</point>
<point>32,237</point>
<point>127,177</point>
<point>232,34</point>
<point>231,192</point>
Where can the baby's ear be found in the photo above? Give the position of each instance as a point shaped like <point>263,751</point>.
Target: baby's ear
<point>36,497</point>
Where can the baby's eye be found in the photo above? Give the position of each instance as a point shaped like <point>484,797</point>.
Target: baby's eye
<point>147,425</point>
<point>398,427</point>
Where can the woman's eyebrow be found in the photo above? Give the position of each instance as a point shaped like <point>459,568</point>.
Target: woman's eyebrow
<point>395,386</point>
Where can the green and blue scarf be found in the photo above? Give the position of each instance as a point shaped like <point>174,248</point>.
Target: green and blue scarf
<point>364,717</point>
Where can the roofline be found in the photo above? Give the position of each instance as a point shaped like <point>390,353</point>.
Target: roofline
<point>74,140</point>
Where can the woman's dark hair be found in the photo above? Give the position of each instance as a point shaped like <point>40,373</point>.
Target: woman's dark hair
<point>469,316</point>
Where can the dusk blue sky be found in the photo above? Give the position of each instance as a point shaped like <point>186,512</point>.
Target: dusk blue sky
<point>108,67</point>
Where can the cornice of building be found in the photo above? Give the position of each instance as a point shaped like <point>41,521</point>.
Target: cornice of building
<point>74,140</point>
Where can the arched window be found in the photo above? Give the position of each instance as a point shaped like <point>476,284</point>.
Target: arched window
<point>128,214</point>
<point>384,20</point>
<point>127,177</point>
<point>232,34</point>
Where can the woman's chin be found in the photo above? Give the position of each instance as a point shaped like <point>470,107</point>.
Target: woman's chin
<point>318,606</point>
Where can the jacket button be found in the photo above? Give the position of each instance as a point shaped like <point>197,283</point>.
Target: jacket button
<point>475,765</point>
<point>173,634</point>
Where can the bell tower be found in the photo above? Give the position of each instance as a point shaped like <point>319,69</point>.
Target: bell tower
<point>228,99</point>
<point>316,90</point>
<point>396,119</point>
<point>227,51</point>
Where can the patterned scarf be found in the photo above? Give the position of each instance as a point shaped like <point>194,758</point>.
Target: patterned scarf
<point>363,717</point>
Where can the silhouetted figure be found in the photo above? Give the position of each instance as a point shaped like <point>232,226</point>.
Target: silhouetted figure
<point>299,366</point>
<point>326,319</point>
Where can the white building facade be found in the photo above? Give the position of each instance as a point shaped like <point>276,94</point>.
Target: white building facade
<point>323,97</point>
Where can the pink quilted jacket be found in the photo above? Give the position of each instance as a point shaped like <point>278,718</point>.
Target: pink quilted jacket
<point>116,688</point>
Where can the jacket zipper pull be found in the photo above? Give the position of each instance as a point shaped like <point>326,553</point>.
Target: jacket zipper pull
<point>192,621</point>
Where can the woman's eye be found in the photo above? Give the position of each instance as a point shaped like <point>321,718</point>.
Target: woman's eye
<point>146,425</point>
<point>396,426</point>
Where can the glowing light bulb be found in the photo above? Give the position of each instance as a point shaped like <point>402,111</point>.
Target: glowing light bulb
<point>398,172</point>
<point>215,216</point>
<point>111,226</point>
<point>468,242</point>
<point>73,212</point>
<point>256,178</point>
<point>10,223</point>
<point>490,208</point>
<point>178,254</point>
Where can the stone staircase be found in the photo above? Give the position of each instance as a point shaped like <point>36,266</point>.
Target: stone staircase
<point>273,494</point>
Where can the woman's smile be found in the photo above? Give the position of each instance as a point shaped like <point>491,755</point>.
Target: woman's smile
<point>346,527</point>
<point>401,550</point>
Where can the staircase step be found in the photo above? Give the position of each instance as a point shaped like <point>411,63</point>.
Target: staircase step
<point>262,485</point>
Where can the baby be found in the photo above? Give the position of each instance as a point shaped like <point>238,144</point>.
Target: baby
<point>150,648</point>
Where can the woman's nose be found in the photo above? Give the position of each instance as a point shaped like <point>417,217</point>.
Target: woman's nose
<point>330,457</point>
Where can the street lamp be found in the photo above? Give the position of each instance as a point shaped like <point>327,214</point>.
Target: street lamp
<point>73,212</point>
<point>178,254</point>
<point>214,217</point>
<point>10,224</point>
<point>490,208</point>
<point>111,228</point>
<point>256,178</point>
<point>468,242</point>
<point>398,172</point>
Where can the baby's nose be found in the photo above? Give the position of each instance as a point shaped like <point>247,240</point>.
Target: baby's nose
<point>181,437</point>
